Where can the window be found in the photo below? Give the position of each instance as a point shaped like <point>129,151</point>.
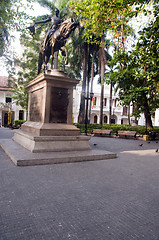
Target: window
<point>105,102</point>
<point>105,119</point>
<point>125,111</point>
<point>8,99</point>
<point>95,119</point>
<point>113,120</point>
<point>21,115</point>
<point>95,101</point>
<point>115,102</point>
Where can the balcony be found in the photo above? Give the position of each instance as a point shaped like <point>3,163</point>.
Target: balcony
<point>6,106</point>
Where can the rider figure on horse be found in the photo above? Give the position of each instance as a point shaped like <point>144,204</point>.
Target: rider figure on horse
<point>55,39</point>
<point>55,24</point>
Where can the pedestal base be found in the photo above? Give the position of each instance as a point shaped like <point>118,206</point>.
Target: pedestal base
<point>22,157</point>
<point>50,129</point>
<point>51,143</point>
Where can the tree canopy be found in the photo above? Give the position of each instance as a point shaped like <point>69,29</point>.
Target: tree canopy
<point>13,17</point>
<point>99,15</point>
<point>139,73</point>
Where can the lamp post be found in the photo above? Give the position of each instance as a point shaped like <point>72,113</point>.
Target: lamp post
<point>10,115</point>
<point>89,97</point>
<point>113,116</point>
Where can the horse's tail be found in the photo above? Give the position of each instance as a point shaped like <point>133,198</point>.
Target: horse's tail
<point>40,62</point>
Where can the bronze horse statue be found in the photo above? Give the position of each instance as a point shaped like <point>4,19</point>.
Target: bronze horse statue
<point>56,42</point>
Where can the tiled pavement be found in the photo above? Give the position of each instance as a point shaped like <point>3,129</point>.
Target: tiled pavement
<point>114,199</point>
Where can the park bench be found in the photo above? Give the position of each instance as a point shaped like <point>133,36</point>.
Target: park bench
<point>102,132</point>
<point>127,134</point>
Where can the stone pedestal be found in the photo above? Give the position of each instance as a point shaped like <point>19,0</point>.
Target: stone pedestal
<point>49,126</point>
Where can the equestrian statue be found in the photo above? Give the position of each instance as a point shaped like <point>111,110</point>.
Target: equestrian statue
<point>55,39</point>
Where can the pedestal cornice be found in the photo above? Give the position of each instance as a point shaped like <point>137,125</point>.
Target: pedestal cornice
<point>53,75</point>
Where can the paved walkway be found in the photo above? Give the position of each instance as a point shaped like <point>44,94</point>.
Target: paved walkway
<point>114,199</point>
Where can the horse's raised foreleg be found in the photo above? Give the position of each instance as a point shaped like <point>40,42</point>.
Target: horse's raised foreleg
<point>64,53</point>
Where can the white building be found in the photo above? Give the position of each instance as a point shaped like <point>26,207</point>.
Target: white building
<point>7,105</point>
<point>120,115</point>
<point>156,118</point>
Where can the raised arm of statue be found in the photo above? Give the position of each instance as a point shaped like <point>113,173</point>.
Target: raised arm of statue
<point>32,28</point>
<point>43,21</point>
<point>55,23</point>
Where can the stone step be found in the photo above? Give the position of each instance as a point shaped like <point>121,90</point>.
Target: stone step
<point>22,157</point>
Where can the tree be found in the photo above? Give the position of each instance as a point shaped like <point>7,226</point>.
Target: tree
<point>27,68</point>
<point>137,80</point>
<point>98,17</point>
<point>89,51</point>
<point>82,56</point>
<point>102,63</point>
<point>12,18</point>
<point>110,69</point>
<point>105,14</point>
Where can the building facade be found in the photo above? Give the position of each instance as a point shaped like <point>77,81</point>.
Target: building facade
<point>9,111</point>
<point>120,114</point>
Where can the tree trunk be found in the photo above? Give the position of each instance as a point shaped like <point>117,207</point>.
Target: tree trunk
<point>129,114</point>
<point>103,61</point>
<point>81,116</point>
<point>92,76</point>
<point>102,71</point>
<point>147,113</point>
<point>148,119</point>
<point>110,103</point>
<point>101,103</point>
<point>146,106</point>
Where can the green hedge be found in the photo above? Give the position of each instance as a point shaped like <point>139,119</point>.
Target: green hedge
<point>19,122</point>
<point>141,130</point>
